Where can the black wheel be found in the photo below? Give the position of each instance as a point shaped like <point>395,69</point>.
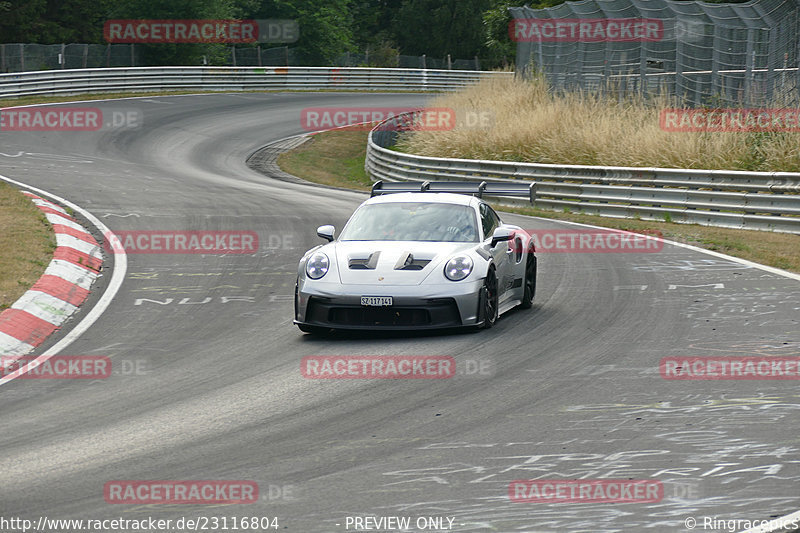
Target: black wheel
<point>530,282</point>
<point>489,300</point>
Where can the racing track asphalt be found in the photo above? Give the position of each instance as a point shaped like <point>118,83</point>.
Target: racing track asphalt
<point>571,390</point>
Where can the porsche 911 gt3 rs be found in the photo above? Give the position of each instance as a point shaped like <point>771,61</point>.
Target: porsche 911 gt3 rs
<point>436,258</point>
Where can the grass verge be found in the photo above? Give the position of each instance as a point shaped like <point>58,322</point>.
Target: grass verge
<point>27,243</point>
<point>337,158</point>
<point>334,158</point>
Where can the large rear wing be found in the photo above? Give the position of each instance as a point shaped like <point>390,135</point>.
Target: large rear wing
<point>473,188</point>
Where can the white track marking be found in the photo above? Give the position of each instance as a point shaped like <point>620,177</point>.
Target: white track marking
<point>739,260</point>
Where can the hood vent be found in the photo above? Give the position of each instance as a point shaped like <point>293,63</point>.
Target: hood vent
<point>361,263</point>
<point>408,262</point>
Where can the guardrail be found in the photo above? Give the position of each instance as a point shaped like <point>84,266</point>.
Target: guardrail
<point>733,199</point>
<point>138,79</point>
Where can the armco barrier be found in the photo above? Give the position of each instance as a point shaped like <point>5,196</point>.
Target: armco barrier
<point>749,200</point>
<point>138,79</point>
<point>733,199</point>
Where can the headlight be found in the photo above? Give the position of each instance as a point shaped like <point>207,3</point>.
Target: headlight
<point>317,265</point>
<point>458,268</point>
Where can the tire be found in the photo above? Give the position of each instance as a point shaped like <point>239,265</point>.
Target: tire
<point>530,282</point>
<point>489,299</point>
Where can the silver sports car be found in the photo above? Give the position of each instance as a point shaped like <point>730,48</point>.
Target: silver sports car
<point>439,257</point>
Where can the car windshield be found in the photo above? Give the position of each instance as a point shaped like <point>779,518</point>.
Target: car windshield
<point>412,221</point>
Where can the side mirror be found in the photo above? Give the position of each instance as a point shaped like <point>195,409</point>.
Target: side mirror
<point>326,232</point>
<point>500,235</point>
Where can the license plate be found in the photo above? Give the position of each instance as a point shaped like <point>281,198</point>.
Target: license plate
<point>376,300</point>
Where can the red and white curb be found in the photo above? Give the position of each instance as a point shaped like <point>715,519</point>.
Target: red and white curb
<point>61,289</point>
<point>347,127</point>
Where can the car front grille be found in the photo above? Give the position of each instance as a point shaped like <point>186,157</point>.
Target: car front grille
<point>379,316</point>
<point>442,312</point>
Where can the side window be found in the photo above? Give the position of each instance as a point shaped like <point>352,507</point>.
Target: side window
<point>494,216</point>
<point>489,220</point>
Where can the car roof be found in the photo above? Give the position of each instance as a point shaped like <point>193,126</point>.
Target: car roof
<point>425,197</point>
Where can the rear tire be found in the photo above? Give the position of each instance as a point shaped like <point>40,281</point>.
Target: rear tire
<point>530,282</point>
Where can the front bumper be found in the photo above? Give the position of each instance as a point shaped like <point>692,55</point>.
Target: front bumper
<point>415,307</point>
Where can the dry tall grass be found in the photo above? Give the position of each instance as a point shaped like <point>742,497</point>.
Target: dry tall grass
<point>533,124</point>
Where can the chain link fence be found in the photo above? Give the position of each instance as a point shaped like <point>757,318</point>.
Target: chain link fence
<point>708,54</point>
<point>30,57</point>
<point>405,61</point>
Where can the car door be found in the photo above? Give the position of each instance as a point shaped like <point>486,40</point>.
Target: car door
<point>502,253</point>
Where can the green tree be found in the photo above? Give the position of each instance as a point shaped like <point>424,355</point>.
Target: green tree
<point>372,22</point>
<point>182,54</point>
<point>19,20</point>
<point>499,48</point>
<point>325,28</point>
<point>441,27</point>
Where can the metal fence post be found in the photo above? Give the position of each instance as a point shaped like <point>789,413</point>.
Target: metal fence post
<point>422,60</point>
<point>85,55</point>
<point>22,58</point>
<point>643,70</point>
<point>772,59</point>
<point>715,60</point>
<point>609,54</point>
<point>678,69</point>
